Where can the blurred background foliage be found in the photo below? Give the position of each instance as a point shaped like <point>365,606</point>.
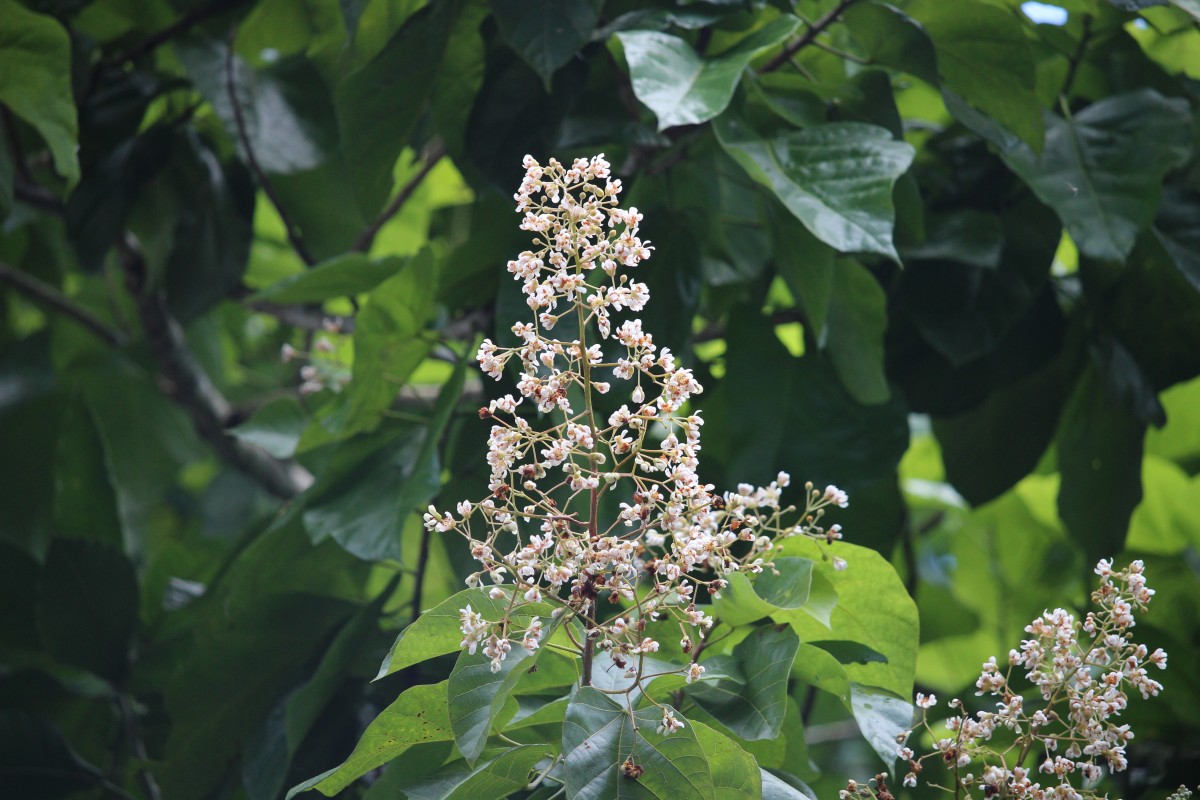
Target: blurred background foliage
<point>944,255</point>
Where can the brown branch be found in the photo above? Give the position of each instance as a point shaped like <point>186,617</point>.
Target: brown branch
<point>814,30</point>
<point>46,295</point>
<point>432,155</point>
<point>264,182</point>
<point>186,383</point>
<point>177,28</point>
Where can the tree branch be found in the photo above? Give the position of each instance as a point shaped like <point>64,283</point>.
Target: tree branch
<point>814,30</point>
<point>239,123</point>
<point>433,153</point>
<point>46,295</point>
<point>189,386</point>
<point>177,28</point>
<point>1077,57</point>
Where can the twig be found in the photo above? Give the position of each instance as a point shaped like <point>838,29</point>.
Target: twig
<point>133,736</point>
<point>47,295</point>
<point>180,26</point>
<point>189,386</point>
<point>814,30</point>
<point>1077,56</point>
<point>239,123</point>
<point>432,155</point>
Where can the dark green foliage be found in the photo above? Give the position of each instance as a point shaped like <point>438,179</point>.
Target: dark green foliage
<point>929,251</point>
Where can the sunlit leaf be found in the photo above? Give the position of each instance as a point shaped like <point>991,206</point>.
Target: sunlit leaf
<point>682,87</point>
<point>837,178</point>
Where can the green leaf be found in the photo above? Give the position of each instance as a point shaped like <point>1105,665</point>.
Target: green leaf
<point>212,227</point>
<point>498,777</point>
<point>418,716</point>
<point>388,345</point>
<point>366,511</point>
<point>735,774</point>
<point>989,448</point>
<point>306,704</point>
<point>343,276</point>
<point>1119,296</point>
<point>874,609</point>
<point>775,788</point>
<point>546,34</point>
<point>459,79</point>
<point>892,38</point>
<point>1100,457</point>
<point>680,86</point>
<point>984,57</point>
<point>854,336</point>
<point>377,113</point>
<point>598,736</point>
<point>1102,170</point>
<point>436,632</point>
<point>35,81</point>
<point>477,694</point>
<point>276,427</point>
<point>87,606</point>
<point>837,178</point>
<point>754,707</point>
<point>806,265</point>
<point>783,589</point>
<point>881,717</point>
<point>820,669</point>
<point>279,111</point>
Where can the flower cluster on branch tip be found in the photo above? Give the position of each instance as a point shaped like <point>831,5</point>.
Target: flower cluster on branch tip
<point>1084,672</point>
<point>538,535</point>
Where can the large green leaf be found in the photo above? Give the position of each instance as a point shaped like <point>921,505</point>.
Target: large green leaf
<point>366,512</point>
<point>989,448</point>
<point>881,717</point>
<point>854,336</point>
<point>546,33</point>
<point>388,345</point>
<point>784,588</point>
<point>377,111</point>
<point>984,57</point>
<point>735,774</point>
<point>820,669</point>
<point>598,737</point>
<point>1101,171</point>
<point>477,694</point>
<point>892,38</point>
<point>837,178</point>
<point>1100,457</point>
<point>280,113</point>
<point>754,707</point>
<point>346,275</point>
<point>87,606</point>
<point>682,87</point>
<point>418,716</point>
<point>35,80</point>
<point>436,632</point>
<point>498,777</point>
<point>807,266</point>
<point>874,609</point>
<point>1119,295</point>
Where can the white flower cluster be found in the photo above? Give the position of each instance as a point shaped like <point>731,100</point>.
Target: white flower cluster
<point>1084,672</point>
<point>555,458</point>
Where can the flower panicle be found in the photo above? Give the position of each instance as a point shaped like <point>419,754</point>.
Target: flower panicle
<point>537,534</point>
<point>1085,671</point>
